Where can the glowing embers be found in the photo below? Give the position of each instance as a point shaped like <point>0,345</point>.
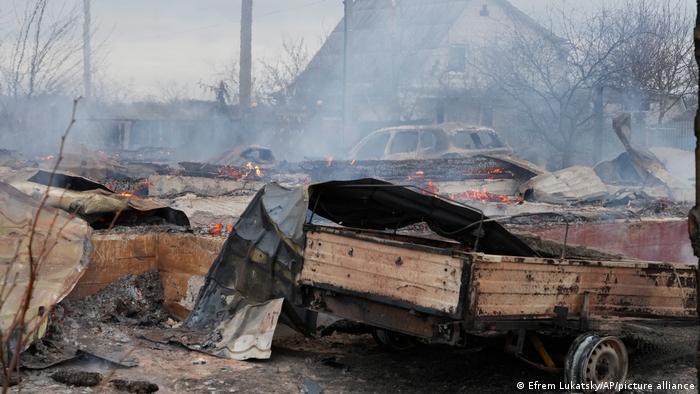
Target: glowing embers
<point>249,171</point>
<point>488,172</point>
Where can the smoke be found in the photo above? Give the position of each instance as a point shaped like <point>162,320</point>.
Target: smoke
<point>399,72</point>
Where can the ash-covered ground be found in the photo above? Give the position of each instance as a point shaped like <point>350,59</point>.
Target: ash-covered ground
<point>108,329</point>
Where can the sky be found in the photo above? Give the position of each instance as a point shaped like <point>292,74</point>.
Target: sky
<point>158,47</point>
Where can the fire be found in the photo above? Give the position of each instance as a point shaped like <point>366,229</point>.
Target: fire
<point>420,174</point>
<point>229,172</point>
<point>216,229</point>
<point>219,229</point>
<point>496,171</point>
<point>329,161</point>
<point>126,194</point>
<point>431,188</point>
<point>475,195</point>
<point>489,172</point>
<point>253,169</point>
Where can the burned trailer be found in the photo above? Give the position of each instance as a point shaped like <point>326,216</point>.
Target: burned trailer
<point>415,266</point>
<point>469,278</point>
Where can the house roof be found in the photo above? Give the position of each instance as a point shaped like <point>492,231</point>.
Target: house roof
<point>388,35</point>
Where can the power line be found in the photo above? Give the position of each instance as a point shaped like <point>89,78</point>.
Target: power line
<point>274,12</point>
<point>284,10</point>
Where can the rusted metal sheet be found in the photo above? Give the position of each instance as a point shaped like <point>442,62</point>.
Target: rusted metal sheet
<point>531,288</point>
<point>60,247</point>
<point>412,275</point>
<point>649,239</point>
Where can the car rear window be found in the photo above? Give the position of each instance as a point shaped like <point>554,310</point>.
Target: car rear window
<point>477,139</point>
<point>464,140</point>
<point>486,139</point>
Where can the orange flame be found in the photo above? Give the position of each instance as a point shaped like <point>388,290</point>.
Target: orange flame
<point>216,229</point>
<point>431,188</point>
<point>475,195</point>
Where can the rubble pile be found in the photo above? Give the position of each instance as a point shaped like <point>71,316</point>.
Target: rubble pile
<point>134,300</point>
<point>508,207</point>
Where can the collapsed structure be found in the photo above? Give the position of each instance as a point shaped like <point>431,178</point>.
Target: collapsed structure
<point>445,253</point>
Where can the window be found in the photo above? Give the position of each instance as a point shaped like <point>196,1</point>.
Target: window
<point>373,148</point>
<point>486,140</point>
<point>457,59</point>
<point>464,140</point>
<point>404,142</point>
<point>428,141</point>
<point>484,10</point>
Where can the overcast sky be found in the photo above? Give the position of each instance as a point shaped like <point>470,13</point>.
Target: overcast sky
<point>152,45</point>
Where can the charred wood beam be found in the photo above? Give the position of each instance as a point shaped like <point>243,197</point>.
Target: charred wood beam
<point>436,170</point>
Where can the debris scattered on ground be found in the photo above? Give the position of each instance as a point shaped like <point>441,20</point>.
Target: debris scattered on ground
<point>45,353</point>
<point>573,184</point>
<point>134,300</point>
<point>647,166</point>
<point>134,386</point>
<point>311,387</point>
<point>77,378</point>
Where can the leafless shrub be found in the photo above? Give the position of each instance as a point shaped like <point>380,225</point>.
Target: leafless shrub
<point>18,334</point>
<point>278,75</point>
<point>44,57</point>
<point>551,77</point>
<point>643,49</point>
<point>657,62</point>
<point>272,83</point>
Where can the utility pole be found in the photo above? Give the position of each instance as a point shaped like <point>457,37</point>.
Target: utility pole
<point>346,100</point>
<point>245,78</point>
<point>87,67</point>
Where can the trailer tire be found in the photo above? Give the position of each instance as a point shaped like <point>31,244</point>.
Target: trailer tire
<point>596,359</point>
<point>392,340</point>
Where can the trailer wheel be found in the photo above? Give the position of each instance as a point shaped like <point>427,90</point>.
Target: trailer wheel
<point>595,359</point>
<point>393,340</point>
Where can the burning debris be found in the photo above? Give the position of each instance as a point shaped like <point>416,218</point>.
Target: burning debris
<point>430,182</point>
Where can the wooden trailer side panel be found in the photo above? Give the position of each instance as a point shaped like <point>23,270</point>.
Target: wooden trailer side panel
<point>505,286</point>
<point>408,275</point>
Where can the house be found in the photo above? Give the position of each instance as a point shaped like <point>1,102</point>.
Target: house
<point>408,61</point>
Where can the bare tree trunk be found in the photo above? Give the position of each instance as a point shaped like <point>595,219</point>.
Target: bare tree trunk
<point>246,69</point>
<point>87,69</point>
